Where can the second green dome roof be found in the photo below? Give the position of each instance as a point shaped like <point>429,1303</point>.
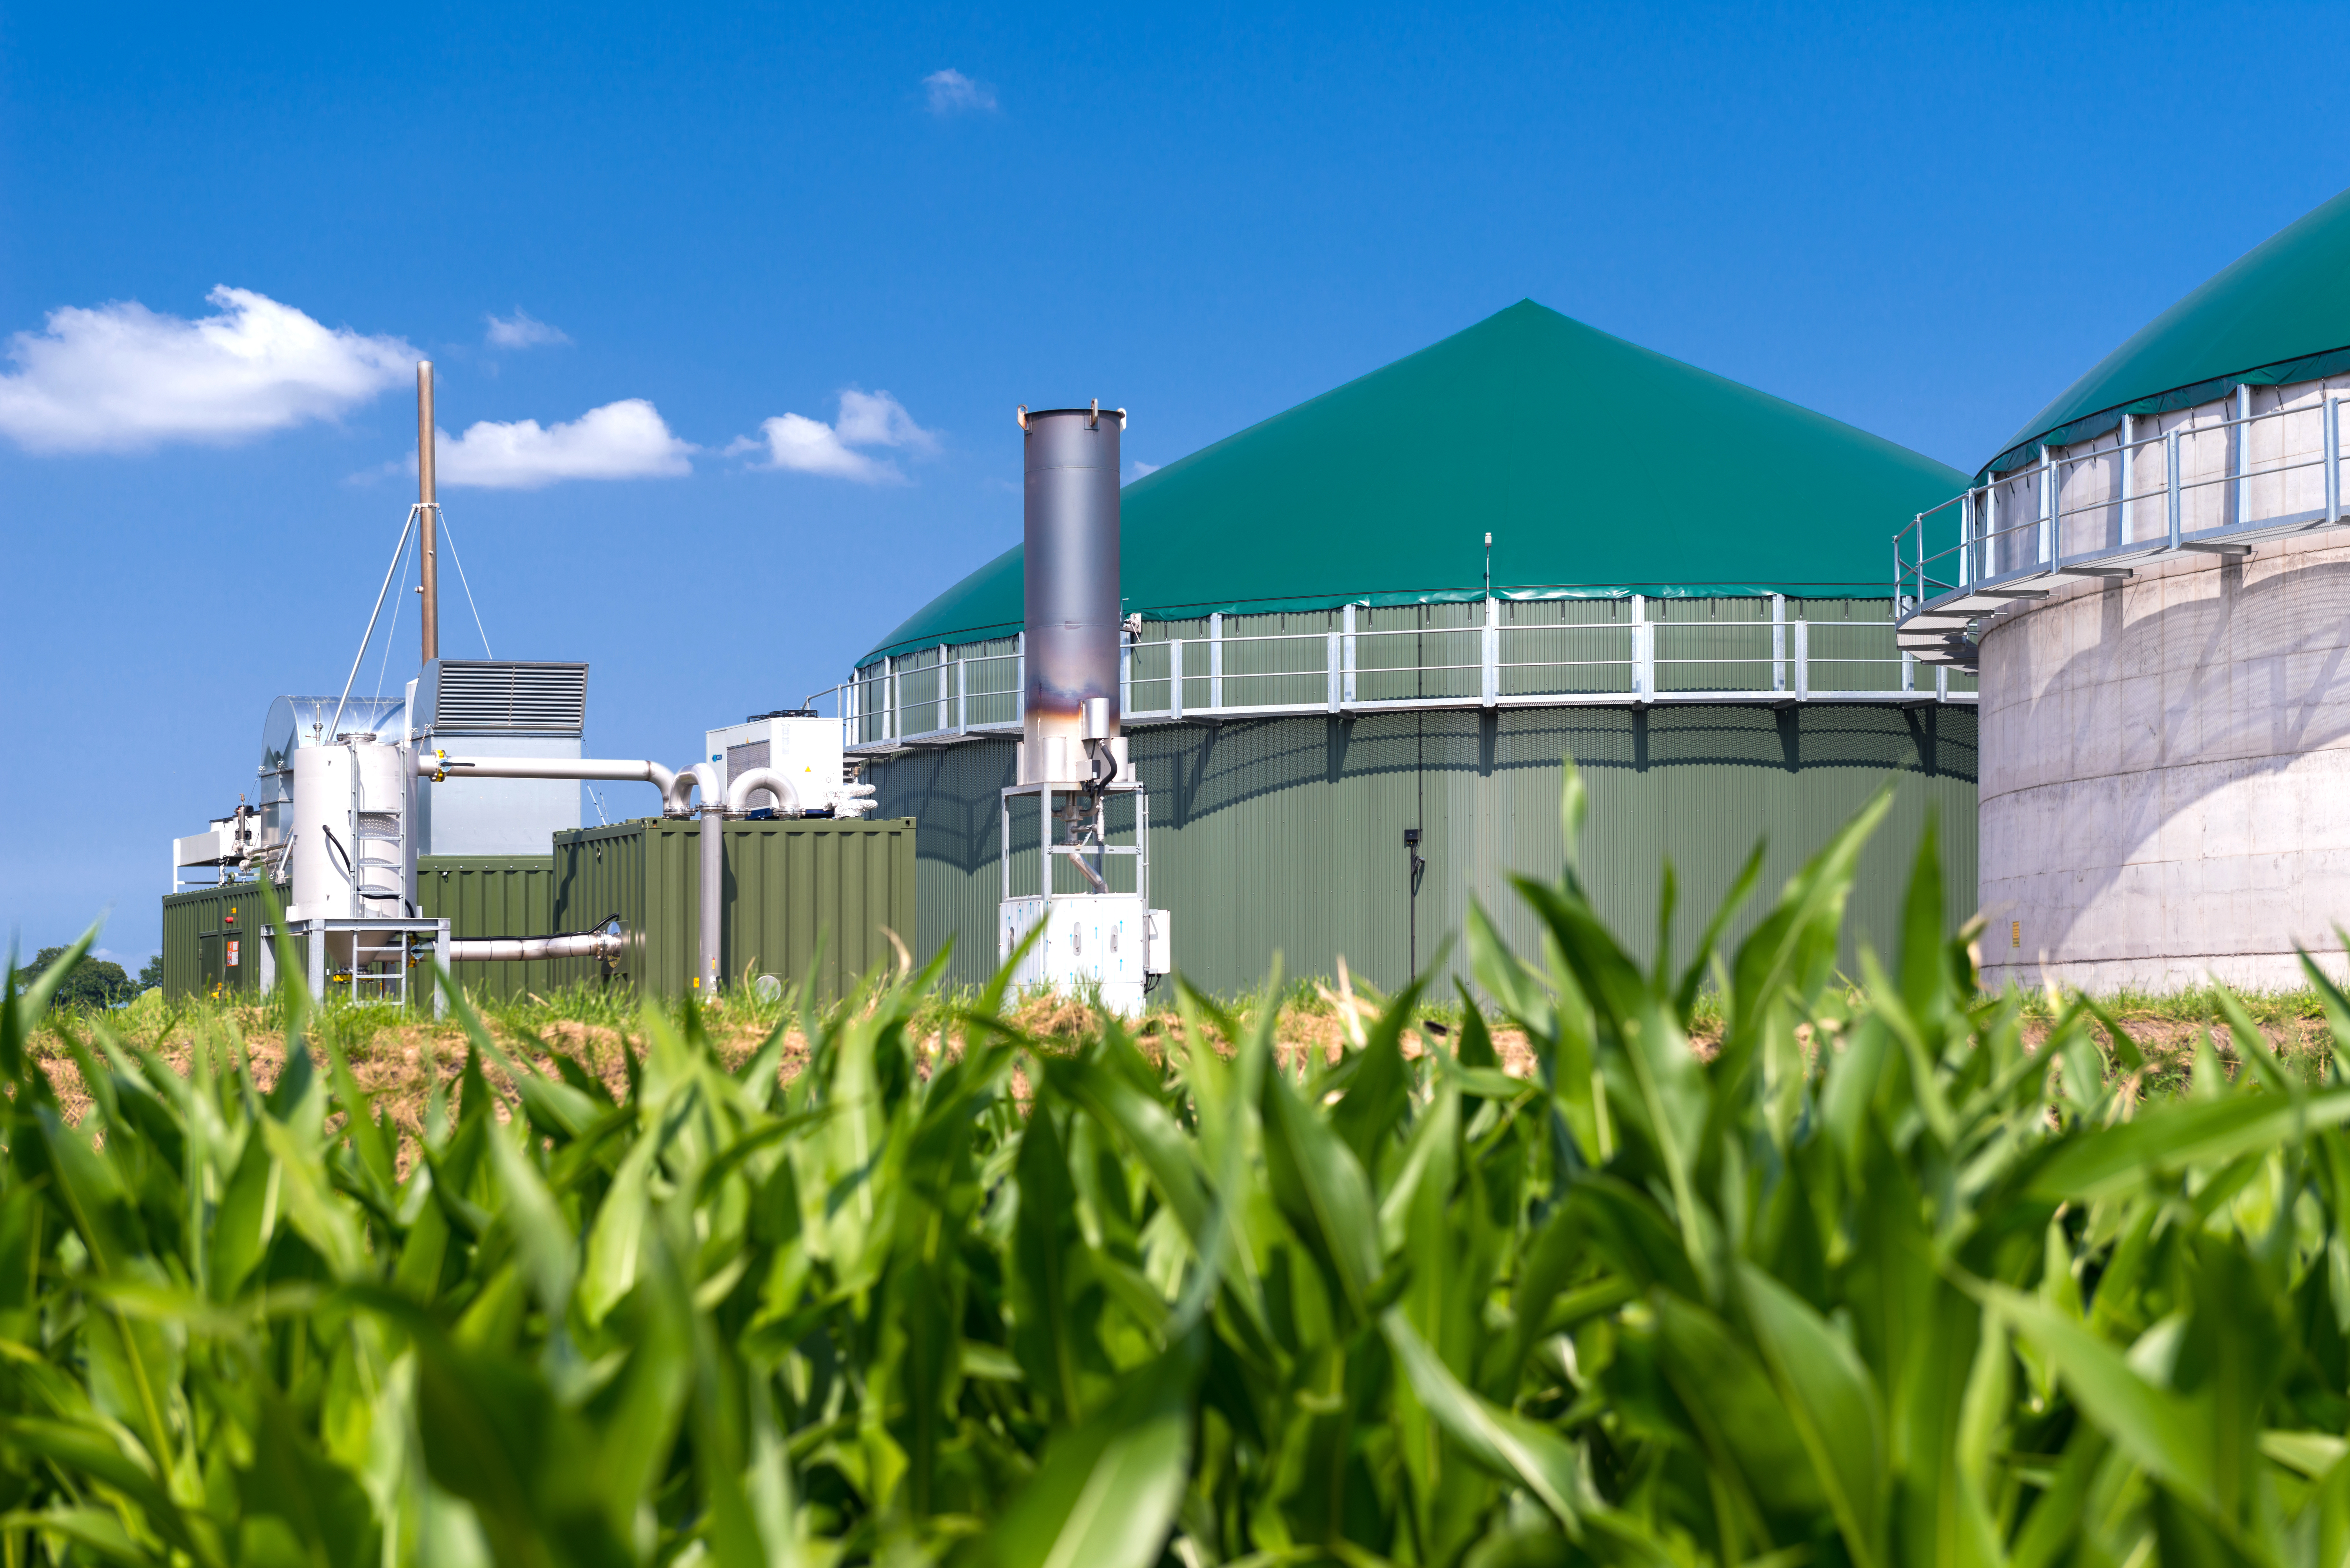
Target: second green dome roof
<point>2279,314</point>
<point>1600,468</point>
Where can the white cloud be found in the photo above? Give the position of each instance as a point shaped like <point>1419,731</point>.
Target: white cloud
<point>866,419</point>
<point>120,377</point>
<point>952,92</point>
<point>524,330</point>
<point>626,439</point>
<point>1141,468</point>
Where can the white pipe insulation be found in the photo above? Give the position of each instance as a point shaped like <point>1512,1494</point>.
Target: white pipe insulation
<point>511,949</point>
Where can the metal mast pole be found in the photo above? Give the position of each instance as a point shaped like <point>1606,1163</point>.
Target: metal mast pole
<point>429,510</point>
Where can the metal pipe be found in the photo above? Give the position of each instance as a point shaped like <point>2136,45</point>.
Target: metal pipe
<point>527,949</point>
<point>439,766</point>
<point>744,785</point>
<point>426,501</point>
<point>704,777</point>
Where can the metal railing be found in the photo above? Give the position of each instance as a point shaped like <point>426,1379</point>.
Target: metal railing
<point>2214,486</point>
<point>935,697</point>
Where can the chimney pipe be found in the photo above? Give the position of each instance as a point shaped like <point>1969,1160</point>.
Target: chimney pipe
<point>429,511</point>
<point>1071,578</point>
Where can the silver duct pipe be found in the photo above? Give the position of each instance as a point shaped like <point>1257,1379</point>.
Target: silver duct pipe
<point>740,789</point>
<point>439,766</point>
<point>703,776</point>
<point>523,950</point>
<point>1071,578</point>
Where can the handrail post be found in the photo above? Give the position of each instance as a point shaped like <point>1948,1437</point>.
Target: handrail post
<point>962,697</point>
<point>1125,670</point>
<point>2170,458</point>
<point>2051,548</point>
<point>1330,666</point>
<point>1644,649</point>
<point>1966,538</point>
<point>1991,526</point>
<point>890,698</point>
<point>1175,678</point>
<point>1216,660</point>
<point>1941,684</point>
<point>1490,654</point>
<point>1778,642</point>
<point>1909,673</point>
<point>1803,661</point>
<point>942,721</point>
<point>2243,451</point>
<point>2332,439</point>
<point>1349,664</point>
<point>1019,679</point>
<point>2124,452</point>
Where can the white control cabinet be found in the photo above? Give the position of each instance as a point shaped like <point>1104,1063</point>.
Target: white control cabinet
<point>1107,944</point>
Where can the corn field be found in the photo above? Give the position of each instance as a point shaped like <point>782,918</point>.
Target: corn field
<point>1870,1284</point>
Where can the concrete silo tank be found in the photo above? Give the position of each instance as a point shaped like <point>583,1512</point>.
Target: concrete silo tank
<point>2153,583</point>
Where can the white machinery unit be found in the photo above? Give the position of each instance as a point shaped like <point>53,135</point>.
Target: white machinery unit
<point>801,747</point>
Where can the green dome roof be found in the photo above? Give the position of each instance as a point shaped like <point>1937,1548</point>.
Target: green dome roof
<point>2277,314</point>
<point>1600,468</point>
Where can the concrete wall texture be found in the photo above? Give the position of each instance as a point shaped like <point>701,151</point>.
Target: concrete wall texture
<point>2165,786</point>
<point>1285,834</point>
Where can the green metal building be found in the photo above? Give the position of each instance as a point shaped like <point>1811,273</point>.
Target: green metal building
<point>1398,606</point>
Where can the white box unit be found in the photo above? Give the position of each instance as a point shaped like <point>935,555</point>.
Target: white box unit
<point>1092,942</point>
<point>801,746</point>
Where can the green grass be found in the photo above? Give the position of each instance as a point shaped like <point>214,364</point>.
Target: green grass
<point>1893,1275</point>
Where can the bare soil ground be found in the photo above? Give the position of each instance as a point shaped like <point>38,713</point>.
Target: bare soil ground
<point>400,1063</point>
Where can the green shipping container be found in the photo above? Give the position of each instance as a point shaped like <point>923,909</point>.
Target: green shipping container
<point>797,889</point>
<point>206,949</point>
<point>208,939</point>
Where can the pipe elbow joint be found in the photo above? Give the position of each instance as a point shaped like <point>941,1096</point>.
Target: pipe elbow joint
<point>750,783</point>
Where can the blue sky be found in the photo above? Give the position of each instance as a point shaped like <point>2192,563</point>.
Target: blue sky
<point>741,227</point>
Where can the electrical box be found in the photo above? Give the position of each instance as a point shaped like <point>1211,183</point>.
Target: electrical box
<point>1107,944</point>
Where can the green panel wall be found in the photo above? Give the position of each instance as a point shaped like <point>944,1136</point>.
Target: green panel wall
<point>1287,833</point>
<point>799,890</point>
<point>492,896</point>
<point>198,926</point>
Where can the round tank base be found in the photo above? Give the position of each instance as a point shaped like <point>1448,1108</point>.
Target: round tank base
<point>2166,775</point>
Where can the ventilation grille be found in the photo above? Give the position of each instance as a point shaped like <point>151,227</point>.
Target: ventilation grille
<point>528,698</point>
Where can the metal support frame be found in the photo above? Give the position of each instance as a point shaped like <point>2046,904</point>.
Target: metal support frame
<point>1138,851</point>
<point>2239,452</point>
<point>1778,642</point>
<point>1346,620</point>
<point>1175,678</point>
<point>315,937</point>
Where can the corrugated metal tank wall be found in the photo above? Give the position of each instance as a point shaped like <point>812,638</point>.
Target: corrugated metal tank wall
<point>1289,833</point>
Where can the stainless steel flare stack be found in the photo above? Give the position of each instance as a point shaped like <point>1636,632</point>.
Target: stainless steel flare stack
<point>1076,909</point>
<point>1069,734</point>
